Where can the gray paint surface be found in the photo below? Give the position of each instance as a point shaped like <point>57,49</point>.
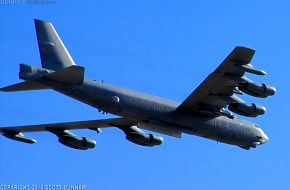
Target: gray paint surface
<point>203,113</point>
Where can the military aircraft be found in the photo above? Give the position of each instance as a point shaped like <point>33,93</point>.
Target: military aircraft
<point>206,112</point>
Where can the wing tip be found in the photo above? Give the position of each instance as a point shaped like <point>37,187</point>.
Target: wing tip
<point>245,49</point>
<point>242,54</point>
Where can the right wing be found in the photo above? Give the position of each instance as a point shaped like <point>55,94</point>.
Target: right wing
<point>218,90</point>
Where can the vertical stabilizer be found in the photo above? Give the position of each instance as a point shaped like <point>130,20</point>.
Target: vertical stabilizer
<point>53,53</point>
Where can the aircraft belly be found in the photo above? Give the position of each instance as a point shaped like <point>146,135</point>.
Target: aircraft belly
<point>205,112</point>
<point>127,105</point>
<point>110,100</point>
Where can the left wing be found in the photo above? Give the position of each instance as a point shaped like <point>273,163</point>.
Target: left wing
<point>67,138</point>
<point>216,92</point>
<point>61,130</point>
<point>90,124</point>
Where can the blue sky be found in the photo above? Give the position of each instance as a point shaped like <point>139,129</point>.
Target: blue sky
<point>165,48</point>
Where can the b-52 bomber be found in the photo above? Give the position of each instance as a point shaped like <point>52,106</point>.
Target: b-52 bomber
<point>206,112</point>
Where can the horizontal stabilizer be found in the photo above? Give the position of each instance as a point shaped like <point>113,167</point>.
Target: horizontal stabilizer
<point>23,86</point>
<point>71,75</point>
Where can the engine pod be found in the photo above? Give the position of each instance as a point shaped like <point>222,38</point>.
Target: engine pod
<point>137,136</point>
<point>81,143</point>
<point>249,110</point>
<point>257,90</point>
<point>69,139</point>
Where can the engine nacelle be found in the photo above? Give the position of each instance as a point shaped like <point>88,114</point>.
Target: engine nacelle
<point>249,110</point>
<point>137,136</point>
<point>144,139</point>
<point>257,90</point>
<point>69,139</point>
<point>80,143</point>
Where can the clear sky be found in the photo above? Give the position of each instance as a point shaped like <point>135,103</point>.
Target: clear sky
<point>165,48</point>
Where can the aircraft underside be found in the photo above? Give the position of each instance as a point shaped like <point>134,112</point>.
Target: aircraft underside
<point>206,112</point>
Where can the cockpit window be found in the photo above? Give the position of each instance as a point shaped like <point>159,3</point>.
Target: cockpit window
<point>258,126</point>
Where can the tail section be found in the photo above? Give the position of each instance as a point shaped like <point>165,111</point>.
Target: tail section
<point>36,77</point>
<point>31,74</point>
<point>70,75</point>
<point>53,53</point>
<point>57,64</point>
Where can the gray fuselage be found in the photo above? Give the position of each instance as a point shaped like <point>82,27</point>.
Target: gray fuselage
<point>147,108</point>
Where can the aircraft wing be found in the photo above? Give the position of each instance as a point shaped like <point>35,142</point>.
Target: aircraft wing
<point>90,124</point>
<point>67,138</point>
<point>218,89</point>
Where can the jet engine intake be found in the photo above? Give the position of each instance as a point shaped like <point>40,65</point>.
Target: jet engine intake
<point>249,110</point>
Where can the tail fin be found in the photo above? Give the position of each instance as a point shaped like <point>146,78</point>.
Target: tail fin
<point>53,53</point>
<point>54,57</point>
